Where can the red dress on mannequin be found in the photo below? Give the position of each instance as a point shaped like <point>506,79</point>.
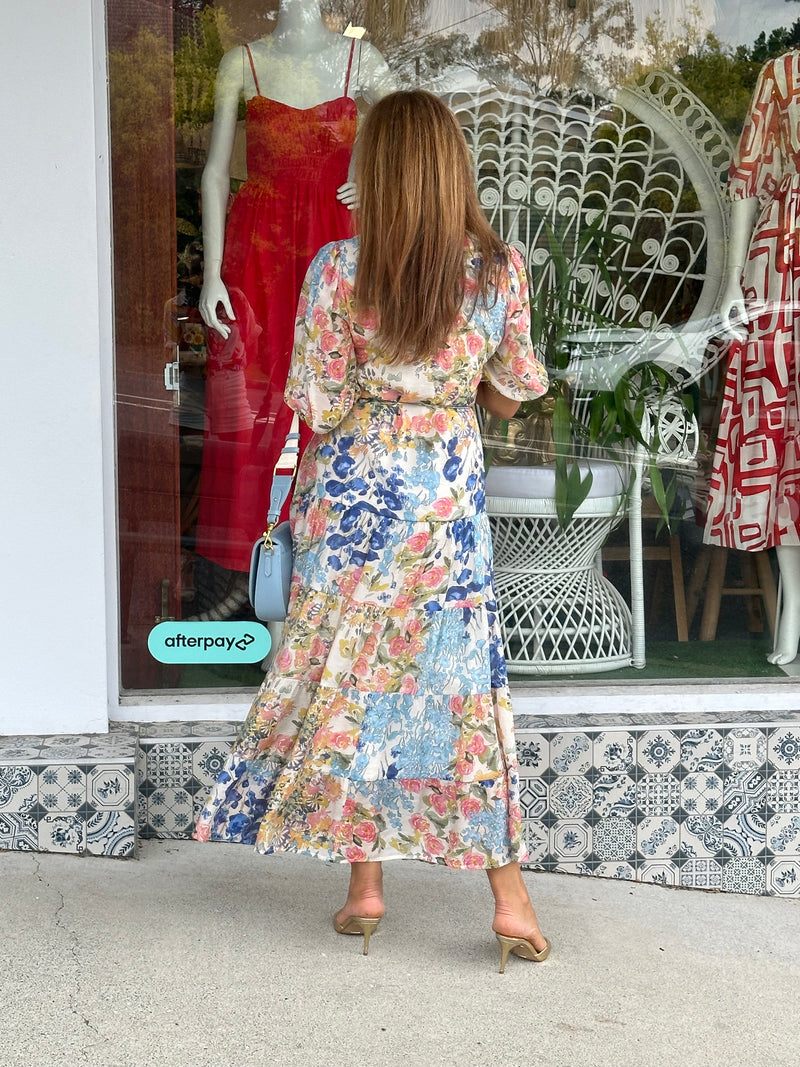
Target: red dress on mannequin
<point>283,214</point>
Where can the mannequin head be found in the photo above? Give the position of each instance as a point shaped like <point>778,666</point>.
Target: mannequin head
<point>417,204</point>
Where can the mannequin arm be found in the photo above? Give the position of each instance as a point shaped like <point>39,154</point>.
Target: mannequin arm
<point>742,219</point>
<point>215,188</point>
<point>375,80</point>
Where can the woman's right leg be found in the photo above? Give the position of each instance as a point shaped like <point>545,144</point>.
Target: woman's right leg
<point>365,892</point>
<point>513,912</point>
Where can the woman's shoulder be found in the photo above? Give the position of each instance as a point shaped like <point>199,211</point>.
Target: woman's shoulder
<point>341,253</point>
<point>509,255</point>
<point>334,262</point>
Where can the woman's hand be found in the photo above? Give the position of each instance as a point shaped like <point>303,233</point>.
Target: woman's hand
<point>212,294</point>
<point>495,403</point>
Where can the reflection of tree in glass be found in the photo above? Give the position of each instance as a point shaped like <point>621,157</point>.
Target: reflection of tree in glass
<point>724,77</point>
<point>553,43</point>
<point>387,21</point>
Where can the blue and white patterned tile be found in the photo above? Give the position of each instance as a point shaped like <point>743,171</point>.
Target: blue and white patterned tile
<point>701,793</point>
<point>18,832</point>
<point>745,789</point>
<point>20,749</point>
<point>783,877</point>
<point>783,748</point>
<point>570,840</point>
<point>783,835</point>
<point>117,746</point>
<point>701,750</point>
<point>537,840</point>
<point>660,872</point>
<point>700,835</point>
<point>570,753</point>
<point>18,787</point>
<point>571,796</point>
<point>744,747</point>
<point>657,838</point>
<point>744,874</point>
<point>62,787</point>
<point>170,812</point>
<point>62,832</point>
<point>59,742</point>
<point>614,794</point>
<point>111,833</point>
<point>533,797</point>
<point>657,794</point>
<point>701,874</point>
<point>744,834</point>
<point>658,751</point>
<point>168,763</point>
<point>181,730</point>
<point>110,787</point>
<point>783,791</point>
<point>614,839</point>
<point>208,760</point>
<point>623,871</point>
<point>533,753</point>
<point>200,728</point>
<point>141,811</point>
<point>614,752</point>
<point>580,867</point>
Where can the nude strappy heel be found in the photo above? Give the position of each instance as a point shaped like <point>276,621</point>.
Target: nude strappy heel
<point>357,924</point>
<point>520,946</point>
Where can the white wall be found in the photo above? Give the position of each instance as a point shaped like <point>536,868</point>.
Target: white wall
<point>55,399</point>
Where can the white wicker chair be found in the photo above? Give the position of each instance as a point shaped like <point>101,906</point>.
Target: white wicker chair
<point>651,163</point>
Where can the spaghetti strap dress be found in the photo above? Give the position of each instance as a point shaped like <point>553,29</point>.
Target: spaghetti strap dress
<point>283,213</point>
<point>754,493</point>
<point>384,728</point>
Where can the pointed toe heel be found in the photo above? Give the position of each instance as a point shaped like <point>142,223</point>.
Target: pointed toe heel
<point>356,924</point>
<point>521,947</point>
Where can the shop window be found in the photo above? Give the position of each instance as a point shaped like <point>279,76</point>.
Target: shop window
<point>602,134</point>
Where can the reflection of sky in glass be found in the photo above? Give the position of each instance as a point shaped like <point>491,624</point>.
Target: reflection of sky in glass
<point>741,21</point>
<point>733,21</point>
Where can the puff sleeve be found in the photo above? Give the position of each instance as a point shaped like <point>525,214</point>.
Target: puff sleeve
<point>322,386</point>
<point>513,368</point>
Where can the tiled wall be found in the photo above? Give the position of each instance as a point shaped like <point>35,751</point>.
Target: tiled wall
<point>709,806</point>
<point>70,794</point>
<point>703,807</point>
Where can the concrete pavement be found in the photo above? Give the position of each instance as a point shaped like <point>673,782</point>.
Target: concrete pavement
<point>209,955</point>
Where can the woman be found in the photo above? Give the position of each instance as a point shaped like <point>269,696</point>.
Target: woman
<point>384,729</point>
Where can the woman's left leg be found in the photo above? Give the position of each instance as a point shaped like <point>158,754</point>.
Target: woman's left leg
<point>364,907</point>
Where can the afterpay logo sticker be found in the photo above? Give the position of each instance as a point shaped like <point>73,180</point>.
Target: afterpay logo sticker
<point>209,642</point>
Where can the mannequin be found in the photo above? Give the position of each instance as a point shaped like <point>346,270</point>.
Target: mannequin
<point>299,83</point>
<point>754,500</point>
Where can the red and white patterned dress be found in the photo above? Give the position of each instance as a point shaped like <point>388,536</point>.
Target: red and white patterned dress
<point>754,498</point>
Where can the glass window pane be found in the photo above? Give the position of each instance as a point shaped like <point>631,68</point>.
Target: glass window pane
<point>602,135</point>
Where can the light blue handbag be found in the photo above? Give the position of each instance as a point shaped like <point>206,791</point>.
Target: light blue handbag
<point>272,556</point>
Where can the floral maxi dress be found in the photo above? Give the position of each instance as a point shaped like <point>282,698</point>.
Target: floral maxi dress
<point>384,728</point>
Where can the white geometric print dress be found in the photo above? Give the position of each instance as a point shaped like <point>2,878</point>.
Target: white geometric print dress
<point>384,728</point>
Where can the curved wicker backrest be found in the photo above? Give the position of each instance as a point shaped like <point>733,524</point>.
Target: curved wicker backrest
<point>646,170</point>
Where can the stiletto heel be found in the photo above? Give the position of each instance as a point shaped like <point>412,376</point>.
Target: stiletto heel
<point>356,924</point>
<point>520,946</point>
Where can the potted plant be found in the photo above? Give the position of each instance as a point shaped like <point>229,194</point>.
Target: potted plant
<point>605,394</point>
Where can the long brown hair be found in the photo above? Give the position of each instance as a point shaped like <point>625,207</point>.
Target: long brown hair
<point>417,205</point>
